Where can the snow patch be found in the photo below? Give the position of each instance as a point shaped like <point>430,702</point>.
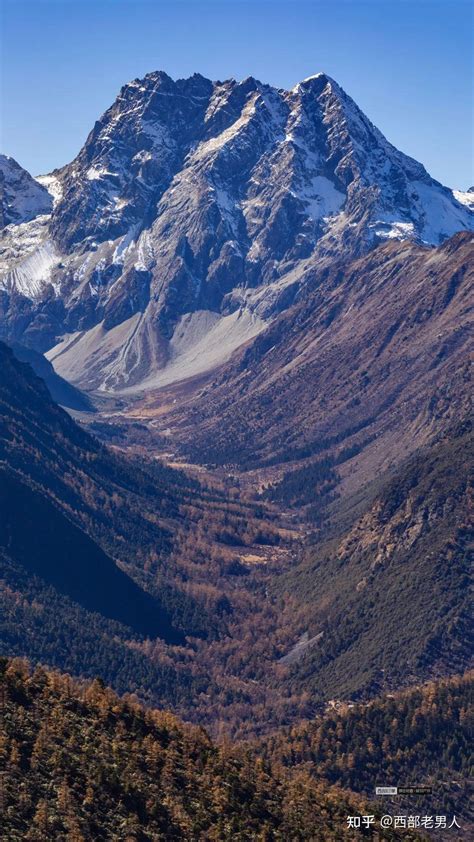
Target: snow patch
<point>53,186</point>
<point>390,229</point>
<point>145,253</point>
<point>440,217</point>
<point>96,173</point>
<point>34,273</point>
<point>435,217</point>
<point>321,197</point>
<point>465,197</point>
<point>125,244</point>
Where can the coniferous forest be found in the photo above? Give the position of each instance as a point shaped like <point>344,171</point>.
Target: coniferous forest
<point>80,763</point>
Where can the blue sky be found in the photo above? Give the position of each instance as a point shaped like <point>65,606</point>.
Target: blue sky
<point>407,63</point>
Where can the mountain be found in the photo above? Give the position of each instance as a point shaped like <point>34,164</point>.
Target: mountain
<point>46,497</point>
<point>80,763</point>
<point>43,542</point>
<point>190,216</point>
<point>255,285</point>
<point>370,363</point>
<point>22,198</point>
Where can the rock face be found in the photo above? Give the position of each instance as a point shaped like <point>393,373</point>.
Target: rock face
<point>189,217</point>
<point>22,198</point>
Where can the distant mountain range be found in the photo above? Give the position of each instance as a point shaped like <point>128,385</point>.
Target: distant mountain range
<point>193,215</point>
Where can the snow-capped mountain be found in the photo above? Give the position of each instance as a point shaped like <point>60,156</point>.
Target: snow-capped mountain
<point>189,219</point>
<point>22,198</point>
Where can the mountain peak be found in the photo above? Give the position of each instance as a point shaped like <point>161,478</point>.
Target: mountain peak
<point>316,77</point>
<point>22,198</point>
<point>156,76</point>
<point>315,82</point>
<point>194,211</point>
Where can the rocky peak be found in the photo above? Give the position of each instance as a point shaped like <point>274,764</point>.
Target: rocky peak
<point>194,197</point>
<point>157,127</point>
<point>22,198</point>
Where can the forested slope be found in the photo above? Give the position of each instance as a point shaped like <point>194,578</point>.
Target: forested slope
<point>79,764</point>
<point>385,588</point>
<point>421,736</point>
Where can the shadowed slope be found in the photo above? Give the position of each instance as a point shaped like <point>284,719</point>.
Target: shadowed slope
<point>43,541</point>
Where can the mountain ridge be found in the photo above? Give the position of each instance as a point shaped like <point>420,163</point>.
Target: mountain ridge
<point>187,221</point>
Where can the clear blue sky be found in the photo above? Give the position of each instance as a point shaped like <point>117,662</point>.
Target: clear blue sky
<point>407,63</point>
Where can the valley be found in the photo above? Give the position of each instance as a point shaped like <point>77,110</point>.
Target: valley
<point>235,469</point>
<point>239,574</point>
